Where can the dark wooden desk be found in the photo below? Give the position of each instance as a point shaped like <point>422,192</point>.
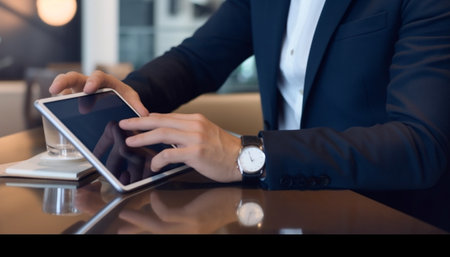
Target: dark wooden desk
<point>187,203</point>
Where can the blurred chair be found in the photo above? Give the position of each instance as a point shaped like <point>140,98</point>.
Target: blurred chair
<point>118,70</point>
<point>37,81</point>
<point>236,112</point>
<point>63,67</point>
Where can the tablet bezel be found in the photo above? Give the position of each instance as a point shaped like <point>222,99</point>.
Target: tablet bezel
<point>89,155</point>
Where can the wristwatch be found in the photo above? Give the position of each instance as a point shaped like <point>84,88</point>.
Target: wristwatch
<point>251,159</point>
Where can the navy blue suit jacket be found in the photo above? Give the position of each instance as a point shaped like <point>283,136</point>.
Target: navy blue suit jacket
<point>376,99</point>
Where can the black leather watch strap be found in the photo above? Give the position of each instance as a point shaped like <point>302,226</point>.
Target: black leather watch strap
<point>253,179</point>
<point>251,140</point>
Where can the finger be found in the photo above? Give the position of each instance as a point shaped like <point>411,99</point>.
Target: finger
<point>170,156</point>
<point>180,116</point>
<point>134,100</point>
<point>99,79</point>
<point>154,121</point>
<point>71,80</point>
<point>161,135</point>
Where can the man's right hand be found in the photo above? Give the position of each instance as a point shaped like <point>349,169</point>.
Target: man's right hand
<point>78,82</point>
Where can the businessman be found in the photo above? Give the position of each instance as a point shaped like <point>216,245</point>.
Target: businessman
<point>355,95</point>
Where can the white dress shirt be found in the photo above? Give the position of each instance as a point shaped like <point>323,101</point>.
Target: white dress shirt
<point>301,25</point>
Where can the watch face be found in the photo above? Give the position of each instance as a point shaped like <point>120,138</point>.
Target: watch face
<point>251,159</point>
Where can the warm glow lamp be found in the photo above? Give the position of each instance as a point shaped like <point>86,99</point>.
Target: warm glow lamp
<point>56,12</point>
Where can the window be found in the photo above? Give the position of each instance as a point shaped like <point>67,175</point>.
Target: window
<point>148,28</point>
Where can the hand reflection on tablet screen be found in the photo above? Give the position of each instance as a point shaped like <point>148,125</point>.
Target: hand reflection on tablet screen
<point>86,104</point>
<point>127,164</point>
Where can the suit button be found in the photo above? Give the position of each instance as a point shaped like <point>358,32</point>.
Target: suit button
<point>311,182</point>
<point>286,181</point>
<point>300,181</point>
<point>323,180</point>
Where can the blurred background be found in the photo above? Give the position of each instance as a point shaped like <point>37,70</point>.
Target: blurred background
<point>42,38</point>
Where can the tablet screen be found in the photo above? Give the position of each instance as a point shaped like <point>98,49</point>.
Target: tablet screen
<point>94,119</point>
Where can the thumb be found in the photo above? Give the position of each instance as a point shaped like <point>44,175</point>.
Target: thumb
<point>134,100</point>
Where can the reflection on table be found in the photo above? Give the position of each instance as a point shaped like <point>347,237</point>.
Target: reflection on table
<point>185,204</point>
<point>190,204</point>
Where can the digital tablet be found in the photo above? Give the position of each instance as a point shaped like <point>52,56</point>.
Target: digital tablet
<point>90,123</point>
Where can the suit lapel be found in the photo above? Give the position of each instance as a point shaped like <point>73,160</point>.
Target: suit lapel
<point>269,28</point>
<point>269,23</point>
<point>332,13</point>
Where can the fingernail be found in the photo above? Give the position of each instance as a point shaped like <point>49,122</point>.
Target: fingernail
<point>88,87</point>
<point>130,140</point>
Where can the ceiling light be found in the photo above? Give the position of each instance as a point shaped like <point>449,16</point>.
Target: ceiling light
<point>56,12</point>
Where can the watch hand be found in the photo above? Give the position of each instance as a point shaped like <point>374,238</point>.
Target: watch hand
<point>250,155</point>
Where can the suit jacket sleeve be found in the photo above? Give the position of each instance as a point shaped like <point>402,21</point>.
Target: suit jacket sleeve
<point>199,64</point>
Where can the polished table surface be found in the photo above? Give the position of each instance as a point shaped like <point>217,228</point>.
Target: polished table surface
<point>186,204</point>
